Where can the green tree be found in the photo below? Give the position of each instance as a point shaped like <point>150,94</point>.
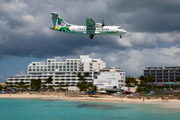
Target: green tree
<point>139,89</point>
<point>21,85</point>
<point>49,80</point>
<point>1,87</point>
<point>36,84</point>
<point>9,85</point>
<point>130,80</point>
<point>143,79</point>
<point>150,79</point>
<point>83,84</point>
<point>94,88</point>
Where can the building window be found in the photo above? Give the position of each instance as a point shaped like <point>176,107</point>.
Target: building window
<point>29,69</point>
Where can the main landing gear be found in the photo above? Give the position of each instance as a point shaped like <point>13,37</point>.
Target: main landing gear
<point>120,36</point>
<point>91,36</point>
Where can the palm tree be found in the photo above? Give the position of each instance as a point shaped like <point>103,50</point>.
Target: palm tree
<point>83,84</point>
<point>9,85</point>
<point>36,84</point>
<point>49,80</point>
<point>21,84</point>
<point>150,79</point>
<point>1,87</point>
<point>128,81</point>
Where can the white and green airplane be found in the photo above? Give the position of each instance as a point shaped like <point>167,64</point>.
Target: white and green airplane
<point>91,29</point>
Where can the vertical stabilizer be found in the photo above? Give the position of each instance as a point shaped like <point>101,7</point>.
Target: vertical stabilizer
<point>54,18</point>
<point>57,21</point>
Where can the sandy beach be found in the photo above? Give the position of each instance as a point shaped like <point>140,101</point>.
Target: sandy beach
<point>172,103</point>
<point>91,99</point>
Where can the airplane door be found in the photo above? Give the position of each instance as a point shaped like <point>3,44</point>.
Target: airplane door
<point>73,30</point>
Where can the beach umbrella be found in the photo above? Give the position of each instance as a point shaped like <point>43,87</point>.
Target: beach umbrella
<point>148,94</point>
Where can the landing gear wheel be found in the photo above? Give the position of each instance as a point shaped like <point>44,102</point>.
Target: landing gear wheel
<point>91,36</point>
<point>120,36</point>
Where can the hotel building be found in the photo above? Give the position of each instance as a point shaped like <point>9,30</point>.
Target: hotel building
<point>64,73</point>
<point>163,74</point>
<point>110,78</point>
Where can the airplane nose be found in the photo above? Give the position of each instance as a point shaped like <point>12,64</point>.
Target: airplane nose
<point>124,31</point>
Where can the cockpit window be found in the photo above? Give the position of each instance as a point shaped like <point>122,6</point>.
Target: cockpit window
<point>119,28</point>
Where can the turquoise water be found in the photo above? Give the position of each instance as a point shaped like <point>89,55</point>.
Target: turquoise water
<point>43,109</point>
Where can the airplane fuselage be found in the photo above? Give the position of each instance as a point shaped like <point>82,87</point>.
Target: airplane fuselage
<point>83,30</point>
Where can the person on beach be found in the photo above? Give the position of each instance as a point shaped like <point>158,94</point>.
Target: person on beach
<point>167,98</point>
<point>163,98</point>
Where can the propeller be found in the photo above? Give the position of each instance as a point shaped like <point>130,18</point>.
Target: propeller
<point>103,24</point>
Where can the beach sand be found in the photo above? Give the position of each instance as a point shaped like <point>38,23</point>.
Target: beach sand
<point>90,99</point>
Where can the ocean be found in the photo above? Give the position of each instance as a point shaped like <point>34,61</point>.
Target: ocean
<point>52,109</point>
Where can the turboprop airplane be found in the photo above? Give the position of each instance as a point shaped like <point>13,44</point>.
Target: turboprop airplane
<point>91,29</point>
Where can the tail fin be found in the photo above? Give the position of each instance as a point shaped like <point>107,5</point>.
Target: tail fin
<point>57,21</point>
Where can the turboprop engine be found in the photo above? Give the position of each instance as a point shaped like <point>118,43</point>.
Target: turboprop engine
<point>99,25</point>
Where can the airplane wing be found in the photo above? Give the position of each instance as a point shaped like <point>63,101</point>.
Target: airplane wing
<point>90,23</point>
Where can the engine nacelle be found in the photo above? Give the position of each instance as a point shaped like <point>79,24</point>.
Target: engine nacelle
<point>98,25</point>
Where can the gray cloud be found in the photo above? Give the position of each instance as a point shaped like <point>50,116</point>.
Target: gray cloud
<point>24,28</point>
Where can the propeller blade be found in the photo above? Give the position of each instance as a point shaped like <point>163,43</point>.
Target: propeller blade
<point>103,24</point>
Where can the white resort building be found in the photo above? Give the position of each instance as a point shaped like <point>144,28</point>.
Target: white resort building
<point>65,73</point>
<point>110,78</point>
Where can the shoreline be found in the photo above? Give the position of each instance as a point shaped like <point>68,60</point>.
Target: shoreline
<point>174,104</point>
<point>90,99</point>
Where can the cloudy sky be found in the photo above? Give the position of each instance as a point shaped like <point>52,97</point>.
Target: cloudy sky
<point>153,36</point>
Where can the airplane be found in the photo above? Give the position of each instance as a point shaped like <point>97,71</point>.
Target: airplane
<point>91,29</point>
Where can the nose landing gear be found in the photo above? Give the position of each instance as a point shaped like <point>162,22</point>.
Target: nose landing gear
<point>91,36</point>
